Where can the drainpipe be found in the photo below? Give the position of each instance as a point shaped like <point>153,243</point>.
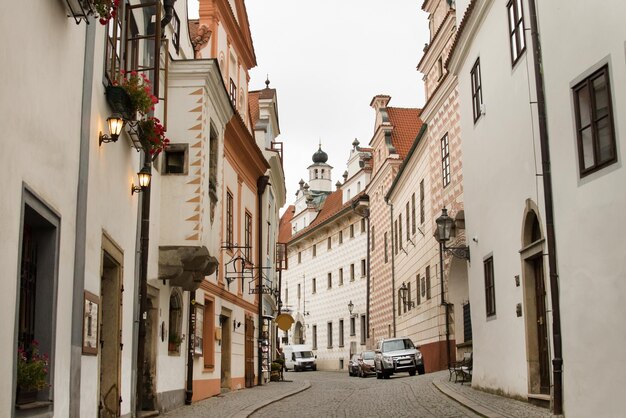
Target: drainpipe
<point>367,293</point>
<point>81,223</point>
<point>443,302</point>
<point>144,196</point>
<point>191,321</point>
<point>393,269</point>
<point>557,362</point>
<point>261,184</point>
<point>168,5</point>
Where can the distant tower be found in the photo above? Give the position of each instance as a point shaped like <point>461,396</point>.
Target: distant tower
<point>320,172</point>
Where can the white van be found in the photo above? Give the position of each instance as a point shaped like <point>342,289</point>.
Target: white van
<point>299,357</point>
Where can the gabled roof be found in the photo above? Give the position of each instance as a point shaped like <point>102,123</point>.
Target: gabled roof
<point>284,226</point>
<point>406,124</point>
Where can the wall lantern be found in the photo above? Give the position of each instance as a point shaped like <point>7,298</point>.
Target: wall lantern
<point>144,181</point>
<point>115,123</point>
<point>351,308</point>
<point>444,228</point>
<point>404,291</point>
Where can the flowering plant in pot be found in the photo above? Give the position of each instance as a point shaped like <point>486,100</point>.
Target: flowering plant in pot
<point>139,90</point>
<point>105,10</point>
<point>32,370</point>
<point>174,341</point>
<point>152,135</point>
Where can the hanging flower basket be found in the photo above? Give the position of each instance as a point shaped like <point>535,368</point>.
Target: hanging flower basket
<point>152,136</point>
<point>105,10</point>
<point>139,89</point>
<point>120,102</point>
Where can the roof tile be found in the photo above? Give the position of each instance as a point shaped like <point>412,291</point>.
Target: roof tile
<point>406,124</point>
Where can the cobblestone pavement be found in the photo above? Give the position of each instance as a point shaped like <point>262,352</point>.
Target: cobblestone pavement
<point>335,394</point>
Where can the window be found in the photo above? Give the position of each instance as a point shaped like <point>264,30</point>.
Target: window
<point>37,285</point>
<point>477,93</point>
<point>330,280</point>
<point>233,93</point>
<point>353,326</point>
<point>175,322</point>
<point>329,334</point>
<point>248,237</point>
<point>363,330</point>
<point>427,282</point>
<point>314,250</point>
<point>352,231</point>
<point>175,31</point>
<point>399,232</point>
<point>351,272</point>
<point>439,68</point>
<point>314,337</point>
<point>299,291</point>
<point>299,257</point>
<point>329,243</point>
<point>341,333</point>
<point>363,269</point>
<point>594,122</point>
<point>408,297</point>
<point>408,224</point>
<point>341,277</point>
<point>209,335</point>
<point>445,160</point>
<point>113,61</point>
<point>372,239</point>
<point>516,29</point>
<point>314,285</point>
<point>229,219</point>
<point>340,237</point>
<point>395,238</point>
<point>490,288</point>
<point>422,211</point>
<point>386,246</point>
<point>362,225</point>
<point>419,290</point>
<point>213,153</point>
<point>413,214</point>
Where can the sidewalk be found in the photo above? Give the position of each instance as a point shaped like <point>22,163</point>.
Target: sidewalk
<point>486,404</point>
<point>230,404</point>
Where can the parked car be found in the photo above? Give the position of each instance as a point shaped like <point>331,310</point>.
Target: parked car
<point>394,355</point>
<point>366,364</point>
<point>353,365</point>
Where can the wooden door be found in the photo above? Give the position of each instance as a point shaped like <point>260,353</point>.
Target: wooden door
<point>542,328</point>
<point>249,352</point>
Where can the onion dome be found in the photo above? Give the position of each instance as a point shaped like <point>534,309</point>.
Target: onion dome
<point>320,156</point>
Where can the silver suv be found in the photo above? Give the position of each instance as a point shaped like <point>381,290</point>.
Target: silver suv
<point>395,355</point>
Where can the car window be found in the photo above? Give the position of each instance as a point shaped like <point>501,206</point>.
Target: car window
<point>408,343</point>
<point>368,355</point>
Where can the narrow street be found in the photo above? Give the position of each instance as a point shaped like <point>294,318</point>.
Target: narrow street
<point>338,395</point>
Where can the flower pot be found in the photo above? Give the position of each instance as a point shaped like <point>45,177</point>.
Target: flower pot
<point>120,102</point>
<point>24,396</point>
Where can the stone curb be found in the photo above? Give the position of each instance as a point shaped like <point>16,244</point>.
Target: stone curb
<point>251,409</point>
<point>466,402</point>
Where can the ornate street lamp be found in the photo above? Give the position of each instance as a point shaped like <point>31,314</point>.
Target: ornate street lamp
<point>115,123</point>
<point>144,176</point>
<point>444,229</point>
<point>404,291</point>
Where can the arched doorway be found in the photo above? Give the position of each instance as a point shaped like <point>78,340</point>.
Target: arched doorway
<point>297,334</point>
<point>535,297</point>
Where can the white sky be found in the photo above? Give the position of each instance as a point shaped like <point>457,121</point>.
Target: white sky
<point>327,59</point>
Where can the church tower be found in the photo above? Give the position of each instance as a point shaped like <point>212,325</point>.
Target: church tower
<point>320,172</point>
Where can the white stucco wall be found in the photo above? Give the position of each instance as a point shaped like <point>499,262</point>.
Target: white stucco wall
<point>576,39</point>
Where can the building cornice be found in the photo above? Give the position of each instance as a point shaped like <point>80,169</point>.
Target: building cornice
<point>438,43</point>
<point>468,28</point>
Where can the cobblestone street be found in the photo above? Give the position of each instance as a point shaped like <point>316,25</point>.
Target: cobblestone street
<point>335,394</point>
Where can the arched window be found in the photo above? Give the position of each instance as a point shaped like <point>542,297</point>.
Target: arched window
<point>316,174</point>
<point>532,229</point>
<point>175,321</point>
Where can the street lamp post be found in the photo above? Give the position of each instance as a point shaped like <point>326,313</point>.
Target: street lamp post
<point>444,229</point>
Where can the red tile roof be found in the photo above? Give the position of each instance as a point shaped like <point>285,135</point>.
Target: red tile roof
<point>406,124</point>
<point>284,226</point>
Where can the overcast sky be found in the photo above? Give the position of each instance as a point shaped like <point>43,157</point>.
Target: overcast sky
<point>327,59</point>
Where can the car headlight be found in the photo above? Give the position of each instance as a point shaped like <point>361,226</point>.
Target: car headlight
<point>388,359</point>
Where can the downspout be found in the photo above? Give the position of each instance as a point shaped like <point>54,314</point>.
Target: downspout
<point>144,196</point>
<point>443,301</point>
<point>393,269</point>
<point>557,362</point>
<point>261,184</point>
<point>81,224</point>
<point>191,321</point>
<point>168,5</point>
<point>367,293</point>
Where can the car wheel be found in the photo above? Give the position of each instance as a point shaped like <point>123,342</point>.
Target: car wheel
<point>420,369</point>
<point>386,375</point>
<point>314,368</point>
<point>412,372</point>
